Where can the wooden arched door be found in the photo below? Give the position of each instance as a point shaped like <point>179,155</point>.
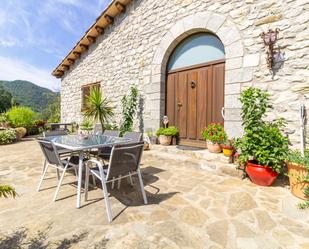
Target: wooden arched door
<point>194,99</point>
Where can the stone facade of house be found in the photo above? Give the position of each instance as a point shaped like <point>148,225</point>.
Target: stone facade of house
<point>136,48</point>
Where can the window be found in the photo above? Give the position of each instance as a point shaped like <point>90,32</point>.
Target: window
<point>86,91</point>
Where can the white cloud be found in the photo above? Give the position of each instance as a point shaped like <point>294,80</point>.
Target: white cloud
<point>13,69</point>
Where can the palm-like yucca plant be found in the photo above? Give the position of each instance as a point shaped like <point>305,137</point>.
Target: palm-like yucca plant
<point>6,191</point>
<point>97,107</point>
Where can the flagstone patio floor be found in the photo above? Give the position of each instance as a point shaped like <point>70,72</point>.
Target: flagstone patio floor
<point>189,207</point>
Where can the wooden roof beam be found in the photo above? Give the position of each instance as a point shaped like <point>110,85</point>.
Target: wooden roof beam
<point>109,19</point>
<point>77,54</point>
<point>71,61</point>
<point>121,7</point>
<point>99,29</point>
<point>65,67</point>
<point>83,47</point>
<point>91,39</point>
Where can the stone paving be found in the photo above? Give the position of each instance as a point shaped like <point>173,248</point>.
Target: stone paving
<point>189,207</point>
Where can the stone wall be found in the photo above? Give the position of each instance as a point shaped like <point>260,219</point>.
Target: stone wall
<point>135,50</point>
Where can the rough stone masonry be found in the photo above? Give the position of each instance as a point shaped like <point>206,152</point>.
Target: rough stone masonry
<point>135,50</point>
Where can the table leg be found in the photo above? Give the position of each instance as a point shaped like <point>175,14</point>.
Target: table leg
<point>79,183</point>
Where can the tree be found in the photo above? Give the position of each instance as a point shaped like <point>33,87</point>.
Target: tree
<point>52,111</point>
<point>5,100</point>
<point>97,107</point>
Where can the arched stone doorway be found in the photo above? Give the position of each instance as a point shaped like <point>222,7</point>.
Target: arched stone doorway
<point>195,86</point>
<point>223,27</point>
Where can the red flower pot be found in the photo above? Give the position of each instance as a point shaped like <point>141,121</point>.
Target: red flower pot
<point>260,175</point>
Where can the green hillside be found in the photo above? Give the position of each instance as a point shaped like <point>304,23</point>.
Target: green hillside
<point>28,94</point>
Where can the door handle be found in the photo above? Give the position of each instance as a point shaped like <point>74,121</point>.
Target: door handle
<point>179,104</point>
<point>223,112</point>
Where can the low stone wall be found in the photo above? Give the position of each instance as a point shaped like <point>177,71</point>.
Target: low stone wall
<point>135,50</point>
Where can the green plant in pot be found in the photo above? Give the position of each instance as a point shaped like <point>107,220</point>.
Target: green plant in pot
<point>298,172</point>
<point>263,147</point>
<point>165,135</point>
<point>86,127</point>
<point>228,147</point>
<point>215,135</point>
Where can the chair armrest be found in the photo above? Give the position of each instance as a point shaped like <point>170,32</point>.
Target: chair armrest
<point>98,164</point>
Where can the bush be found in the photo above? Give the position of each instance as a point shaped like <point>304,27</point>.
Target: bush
<point>20,132</point>
<point>214,133</point>
<point>20,116</point>
<point>170,131</point>
<point>3,120</point>
<point>262,141</point>
<point>7,136</point>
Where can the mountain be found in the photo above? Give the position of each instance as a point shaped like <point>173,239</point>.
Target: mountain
<point>26,93</point>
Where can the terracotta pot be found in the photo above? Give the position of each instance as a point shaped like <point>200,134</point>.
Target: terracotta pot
<point>296,172</point>
<point>213,147</point>
<point>228,150</point>
<point>260,174</point>
<point>165,140</point>
<point>146,146</point>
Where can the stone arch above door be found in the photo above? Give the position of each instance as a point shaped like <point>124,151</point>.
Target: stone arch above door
<point>218,24</point>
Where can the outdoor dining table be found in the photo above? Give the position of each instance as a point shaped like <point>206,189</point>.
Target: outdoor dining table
<point>80,144</point>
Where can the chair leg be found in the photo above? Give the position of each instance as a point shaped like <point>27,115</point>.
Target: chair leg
<point>93,180</point>
<point>106,200</point>
<point>86,183</point>
<point>119,182</point>
<point>60,182</point>
<point>130,179</point>
<point>76,174</point>
<point>44,166</point>
<point>58,174</point>
<point>42,177</point>
<point>113,183</point>
<point>142,186</point>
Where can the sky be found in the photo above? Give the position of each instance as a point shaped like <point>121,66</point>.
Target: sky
<point>35,35</point>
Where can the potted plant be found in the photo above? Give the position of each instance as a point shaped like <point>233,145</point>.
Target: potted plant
<point>214,135</point>
<point>298,172</point>
<point>263,147</point>
<point>228,147</point>
<point>86,127</point>
<point>165,134</point>
<point>152,137</point>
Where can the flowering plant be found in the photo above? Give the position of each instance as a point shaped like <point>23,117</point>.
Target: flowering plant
<point>214,133</point>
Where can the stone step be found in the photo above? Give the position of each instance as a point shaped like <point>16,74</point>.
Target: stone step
<point>201,159</point>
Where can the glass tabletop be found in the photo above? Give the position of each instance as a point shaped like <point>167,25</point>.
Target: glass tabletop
<point>79,142</point>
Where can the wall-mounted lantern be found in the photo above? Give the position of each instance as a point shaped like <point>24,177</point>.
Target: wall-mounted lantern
<point>273,57</point>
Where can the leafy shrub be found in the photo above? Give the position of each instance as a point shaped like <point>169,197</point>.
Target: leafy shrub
<point>20,116</point>
<point>86,125</point>
<point>214,133</point>
<point>129,108</point>
<point>262,141</point>
<point>111,126</point>
<point>20,132</point>
<point>3,120</point>
<point>7,136</point>
<point>170,131</point>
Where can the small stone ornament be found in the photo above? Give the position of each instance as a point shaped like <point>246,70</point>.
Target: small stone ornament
<point>165,121</point>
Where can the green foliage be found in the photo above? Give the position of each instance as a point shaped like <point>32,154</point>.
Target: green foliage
<point>129,108</point>
<point>294,156</point>
<point>97,107</point>
<point>214,133</point>
<point>26,93</point>
<point>262,141</point>
<point>52,111</point>
<point>5,99</point>
<point>20,116</point>
<point>169,131</point>
<point>3,120</point>
<point>86,125</point>
<point>7,191</point>
<point>7,136</point>
<point>111,126</point>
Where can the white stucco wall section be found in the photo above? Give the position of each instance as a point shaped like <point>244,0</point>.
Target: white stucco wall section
<point>235,74</point>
